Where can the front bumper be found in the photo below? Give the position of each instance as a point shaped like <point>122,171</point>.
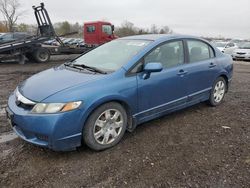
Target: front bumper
<point>241,57</point>
<point>60,131</point>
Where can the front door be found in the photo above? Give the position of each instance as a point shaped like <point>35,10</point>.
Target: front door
<point>166,90</point>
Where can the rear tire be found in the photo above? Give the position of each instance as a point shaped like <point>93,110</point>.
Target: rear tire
<point>41,55</point>
<point>105,127</point>
<point>218,92</point>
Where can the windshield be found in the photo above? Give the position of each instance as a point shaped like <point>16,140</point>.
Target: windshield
<point>236,41</point>
<point>7,36</point>
<point>245,45</point>
<point>220,44</point>
<point>113,55</point>
<point>107,29</point>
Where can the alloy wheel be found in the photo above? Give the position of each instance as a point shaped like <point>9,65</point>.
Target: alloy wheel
<point>219,91</point>
<point>108,126</point>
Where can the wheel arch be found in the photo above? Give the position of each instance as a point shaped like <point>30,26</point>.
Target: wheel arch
<point>223,75</point>
<point>105,100</point>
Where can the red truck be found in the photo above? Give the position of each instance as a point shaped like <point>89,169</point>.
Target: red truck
<point>95,34</point>
<point>98,33</point>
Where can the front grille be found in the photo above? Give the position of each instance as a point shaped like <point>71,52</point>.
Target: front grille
<point>42,137</point>
<point>25,106</point>
<point>241,53</point>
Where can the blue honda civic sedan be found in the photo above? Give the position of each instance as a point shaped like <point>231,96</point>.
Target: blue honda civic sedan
<point>95,98</point>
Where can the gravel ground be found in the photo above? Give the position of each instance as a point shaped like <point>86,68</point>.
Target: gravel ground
<point>197,147</point>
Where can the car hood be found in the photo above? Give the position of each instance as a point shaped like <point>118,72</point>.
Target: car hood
<point>221,48</point>
<point>242,50</point>
<point>46,83</point>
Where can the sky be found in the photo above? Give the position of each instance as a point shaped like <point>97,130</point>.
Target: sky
<point>227,18</point>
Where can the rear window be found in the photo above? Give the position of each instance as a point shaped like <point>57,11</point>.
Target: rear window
<point>90,28</point>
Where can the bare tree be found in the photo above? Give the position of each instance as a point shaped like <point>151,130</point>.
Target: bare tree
<point>10,9</point>
<point>127,28</point>
<point>166,30</point>
<point>154,29</point>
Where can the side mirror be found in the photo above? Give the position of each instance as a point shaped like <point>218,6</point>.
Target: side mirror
<point>151,67</point>
<point>113,28</point>
<point>229,45</point>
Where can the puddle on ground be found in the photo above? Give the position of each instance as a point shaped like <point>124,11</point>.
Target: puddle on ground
<point>2,110</point>
<point>7,137</point>
<point>5,153</point>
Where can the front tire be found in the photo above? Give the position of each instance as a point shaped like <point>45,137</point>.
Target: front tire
<point>105,127</point>
<point>21,59</point>
<point>218,92</point>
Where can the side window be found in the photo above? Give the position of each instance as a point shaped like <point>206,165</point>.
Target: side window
<point>137,68</point>
<point>90,28</point>
<point>169,54</point>
<point>107,29</point>
<point>230,45</point>
<point>18,36</point>
<point>8,36</point>
<point>198,51</point>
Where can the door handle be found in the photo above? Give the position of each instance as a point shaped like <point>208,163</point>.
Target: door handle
<point>182,72</point>
<point>211,65</point>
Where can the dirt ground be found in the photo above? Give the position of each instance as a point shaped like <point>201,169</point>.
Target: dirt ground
<point>189,148</point>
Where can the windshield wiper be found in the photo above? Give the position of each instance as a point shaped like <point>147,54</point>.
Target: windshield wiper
<point>93,69</point>
<point>69,64</point>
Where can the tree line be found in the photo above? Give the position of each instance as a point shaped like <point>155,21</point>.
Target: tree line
<point>128,28</point>
<point>125,29</point>
<point>12,11</point>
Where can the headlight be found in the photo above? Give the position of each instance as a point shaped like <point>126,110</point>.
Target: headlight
<point>55,107</point>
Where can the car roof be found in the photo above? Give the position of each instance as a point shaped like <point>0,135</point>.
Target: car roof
<point>155,37</point>
<point>97,22</point>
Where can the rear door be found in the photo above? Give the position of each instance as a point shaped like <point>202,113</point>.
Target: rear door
<point>202,69</point>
